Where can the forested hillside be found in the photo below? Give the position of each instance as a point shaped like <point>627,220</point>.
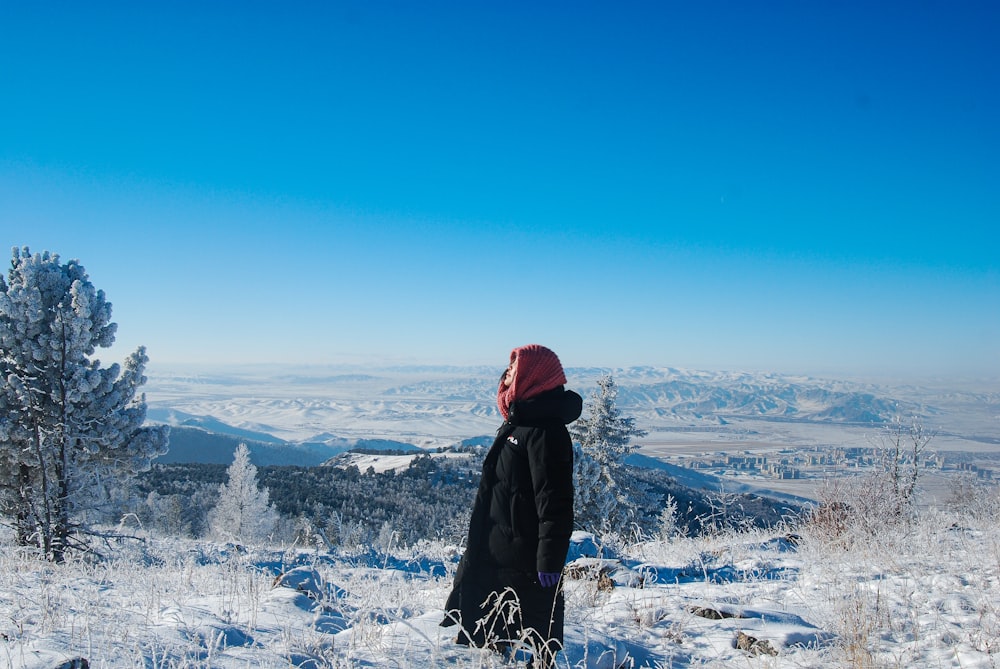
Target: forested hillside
<point>431,499</point>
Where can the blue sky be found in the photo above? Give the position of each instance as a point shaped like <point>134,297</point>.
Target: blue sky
<point>786,186</point>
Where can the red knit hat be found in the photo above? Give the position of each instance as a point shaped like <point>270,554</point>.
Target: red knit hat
<point>538,370</point>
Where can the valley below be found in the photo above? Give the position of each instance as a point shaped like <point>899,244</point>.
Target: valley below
<point>788,434</point>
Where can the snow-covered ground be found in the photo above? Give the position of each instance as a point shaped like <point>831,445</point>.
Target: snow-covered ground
<point>920,595</point>
<point>382,463</point>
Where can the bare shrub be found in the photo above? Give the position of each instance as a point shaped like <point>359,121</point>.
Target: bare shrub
<point>972,498</point>
<point>902,449</point>
<point>866,505</point>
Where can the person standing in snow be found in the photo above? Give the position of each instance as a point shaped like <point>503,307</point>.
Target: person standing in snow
<point>507,592</point>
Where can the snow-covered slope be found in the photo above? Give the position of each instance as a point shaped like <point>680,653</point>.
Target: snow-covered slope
<point>924,595</point>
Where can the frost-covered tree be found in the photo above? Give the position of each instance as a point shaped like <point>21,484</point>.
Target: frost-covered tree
<point>608,498</point>
<point>903,448</point>
<point>667,520</point>
<point>244,512</point>
<point>70,429</point>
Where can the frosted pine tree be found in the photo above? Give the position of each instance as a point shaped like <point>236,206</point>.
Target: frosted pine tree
<point>243,513</point>
<point>607,496</point>
<point>70,429</point>
<point>592,501</point>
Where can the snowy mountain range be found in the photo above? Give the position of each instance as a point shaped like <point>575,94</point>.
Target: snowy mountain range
<point>318,412</point>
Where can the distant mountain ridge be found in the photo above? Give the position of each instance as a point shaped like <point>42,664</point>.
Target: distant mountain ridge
<point>699,399</point>
<point>208,424</point>
<point>436,407</point>
<point>445,393</point>
<point>451,404</point>
<point>197,445</point>
<point>693,395</point>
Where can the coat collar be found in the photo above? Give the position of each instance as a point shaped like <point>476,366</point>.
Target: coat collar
<point>557,405</point>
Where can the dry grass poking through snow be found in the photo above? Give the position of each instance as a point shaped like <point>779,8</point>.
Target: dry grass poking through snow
<point>920,593</point>
<point>913,594</point>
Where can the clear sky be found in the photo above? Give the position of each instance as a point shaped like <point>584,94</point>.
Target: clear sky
<point>787,186</point>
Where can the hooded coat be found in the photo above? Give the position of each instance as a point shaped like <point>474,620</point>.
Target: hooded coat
<point>522,519</point>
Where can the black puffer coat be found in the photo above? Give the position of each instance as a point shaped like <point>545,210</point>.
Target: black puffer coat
<point>521,524</point>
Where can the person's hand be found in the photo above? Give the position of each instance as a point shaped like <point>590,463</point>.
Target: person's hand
<point>548,579</point>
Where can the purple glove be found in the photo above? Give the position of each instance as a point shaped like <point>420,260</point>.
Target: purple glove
<point>548,579</point>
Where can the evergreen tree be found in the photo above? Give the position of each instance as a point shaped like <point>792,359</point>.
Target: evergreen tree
<point>608,498</point>
<point>70,429</point>
<point>244,512</point>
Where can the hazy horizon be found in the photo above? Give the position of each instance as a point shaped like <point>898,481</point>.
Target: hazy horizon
<point>155,368</point>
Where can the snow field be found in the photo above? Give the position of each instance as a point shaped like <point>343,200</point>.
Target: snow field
<point>923,594</point>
